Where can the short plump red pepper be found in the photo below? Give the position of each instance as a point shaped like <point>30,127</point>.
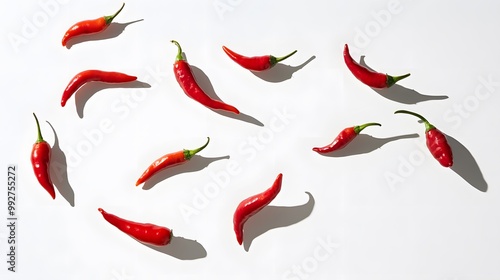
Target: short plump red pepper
<point>368,77</point>
<point>87,27</point>
<point>250,206</point>
<point>343,138</point>
<point>143,232</point>
<point>93,76</point>
<point>40,160</point>
<point>187,81</point>
<point>255,63</point>
<point>435,140</point>
<point>169,160</point>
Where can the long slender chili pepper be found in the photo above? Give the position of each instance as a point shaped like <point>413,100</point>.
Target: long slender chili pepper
<point>250,206</point>
<point>343,138</point>
<point>169,160</point>
<point>188,83</point>
<point>93,76</point>
<point>40,160</point>
<point>143,232</point>
<point>255,63</point>
<point>91,26</point>
<point>367,76</point>
<point>435,140</point>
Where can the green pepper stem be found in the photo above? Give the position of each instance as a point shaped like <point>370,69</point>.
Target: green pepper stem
<point>188,154</point>
<point>40,138</point>
<point>358,128</point>
<point>179,51</point>
<point>273,60</point>
<point>428,126</point>
<point>109,19</point>
<point>391,80</point>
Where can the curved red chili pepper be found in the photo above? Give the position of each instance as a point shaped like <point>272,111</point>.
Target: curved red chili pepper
<point>343,138</point>
<point>188,83</point>
<point>255,63</point>
<point>87,27</point>
<point>250,206</point>
<point>143,232</point>
<point>93,76</point>
<point>435,140</point>
<point>368,77</point>
<point>40,160</point>
<point>169,160</point>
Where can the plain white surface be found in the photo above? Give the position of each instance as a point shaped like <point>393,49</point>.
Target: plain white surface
<point>383,208</point>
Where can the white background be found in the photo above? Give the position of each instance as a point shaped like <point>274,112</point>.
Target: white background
<point>383,208</point>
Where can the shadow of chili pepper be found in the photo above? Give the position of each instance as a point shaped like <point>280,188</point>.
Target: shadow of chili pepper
<point>59,170</point>
<point>83,94</point>
<point>181,248</point>
<point>196,163</point>
<point>204,82</point>
<point>272,217</point>
<point>365,143</point>
<point>113,30</point>
<point>466,166</point>
<point>401,94</point>
<point>281,72</point>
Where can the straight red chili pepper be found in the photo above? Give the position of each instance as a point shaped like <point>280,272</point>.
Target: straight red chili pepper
<point>87,27</point>
<point>40,160</point>
<point>188,83</point>
<point>255,63</point>
<point>143,232</point>
<point>369,77</point>
<point>169,160</point>
<point>435,140</point>
<point>343,138</point>
<point>93,76</point>
<point>250,206</point>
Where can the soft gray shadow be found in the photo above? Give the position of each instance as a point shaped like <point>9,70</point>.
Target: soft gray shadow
<point>204,82</point>
<point>272,217</point>
<point>401,94</point>
<point>84,93</point>
<point>466,166</point>
<point>113,30</point>
<point>181,248</point>
<point>281,72</point>
<point>59,171</point>
<point>196,163</point>
<point>364,144</point>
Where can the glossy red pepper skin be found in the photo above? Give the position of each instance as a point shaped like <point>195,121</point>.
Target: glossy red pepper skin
<point>143,232</point>
<point>435,140</point>
<point>40,161</point>
<point>87,27</point>
<point>255,63</point>
<point>250,206</point>
<point>368,77</point>
<point>169,160</point>
<point>93,76</point>
<point>343,138</point>
<point>187,81</point>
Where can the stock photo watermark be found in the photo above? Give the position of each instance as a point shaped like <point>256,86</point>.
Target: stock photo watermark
<point>324,249</point>
<point>249,148</point>
<point>222,7</point>
<point>121,275</point>
<point>31,25</point>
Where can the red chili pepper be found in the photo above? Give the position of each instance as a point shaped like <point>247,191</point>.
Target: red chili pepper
<point>143,232</point>
<point>93,76</point>
<point>169,160</point>
<point>435,140</point>
<point>250,206</point>
<point>255,63</point>
<point>40,160</point>
<point>367,76</point>
<point>188,83</point>
<point>87,27</point>
<point>344,138</point>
